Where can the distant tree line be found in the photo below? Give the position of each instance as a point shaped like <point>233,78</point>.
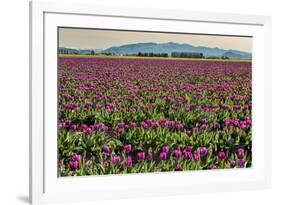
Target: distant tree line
<point>104,53</point>
<point>217,57</point>
<point>141,54</point>
<point>151,54</point>
<point>67,51</point>
<point>75,51</point>
<point>187,55</point>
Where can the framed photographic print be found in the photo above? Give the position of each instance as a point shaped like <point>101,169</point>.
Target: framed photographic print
<point>129,102</point>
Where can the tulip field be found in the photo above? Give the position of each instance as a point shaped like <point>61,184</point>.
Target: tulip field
<point>136,115</point>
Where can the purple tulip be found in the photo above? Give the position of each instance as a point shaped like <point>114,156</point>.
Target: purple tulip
<point>203,151</point>
<point>213,166</point>
<point>133,124</point>
<point>221,155</point>
<point>128,162</point>
<point>163,156</point>
<point>240,153</point>
<point>76,157</point>
<point>196,156</point>
<point>73,128</point>
<point>88,130</point>
<point>67,122</point>
<point>121,125</point>
<point>128,148</point>
<point>106,149</point>
<point>204,121</point>
<point>187,155</point>
<point>236,107</point>
<point>61,125</point>
<point>177,153</point>
<point>179,126</point>
<point>243,126</point>
<point>141,156</point>
<point>116,160</point>
<point>228,122</point>
<point>74,165</point>
<point>165,149</point>
<point>241,163</point>
<point>164,122</point>
<point>171,124</point>
<point>105,128</point>
<point>149,122</point>
<point>203,127</point>
<point>155,125</point>
<point>188,148</point>
<point>236,123</point>
<point>83,126</point>
<point>224,107</point>
<point>232,163</point>
<point>248,122</point>
<point>144,125</point>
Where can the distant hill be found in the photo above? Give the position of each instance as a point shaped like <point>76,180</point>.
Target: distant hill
<point>236,55</point>
<point>169,48</point>
<point>175,47</point>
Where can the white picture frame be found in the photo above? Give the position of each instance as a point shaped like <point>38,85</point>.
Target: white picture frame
<point>46,187</point>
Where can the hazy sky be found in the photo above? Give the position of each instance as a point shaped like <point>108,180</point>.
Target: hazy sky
<point>102,39</point>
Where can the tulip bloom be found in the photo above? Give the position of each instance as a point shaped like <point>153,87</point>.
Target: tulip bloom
<point>196,156</point>
<point>88,130</point>
<point>116,160</point>
<point>179,126</point>
<point>128,162</point>
<point>133,125</point>
<point>141,156</point>
<point>76,157</point>
<point>221,155</point>
<point>241,163</point>
<point>204,121</point>
<point>240,153</point>
<point>203,127</point>
<point>187,155</point>
<point>67,122</point>
<point>188,148</point>
<point>213,166</point>
<point>106,149</point>
<point>149,122</point>
<point>165,149</point>
<point>203,151</point>
<point>155,125</point>
<point>74,165</point>
<point>73,128</point>
<point>144,125</point>
<point>243,126</point>
<point>128,148</point>
<point>232,163</point>
<point>177,153</point>
<point>163,156</point>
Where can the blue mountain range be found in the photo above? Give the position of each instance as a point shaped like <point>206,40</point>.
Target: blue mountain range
<point>169,48</point>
